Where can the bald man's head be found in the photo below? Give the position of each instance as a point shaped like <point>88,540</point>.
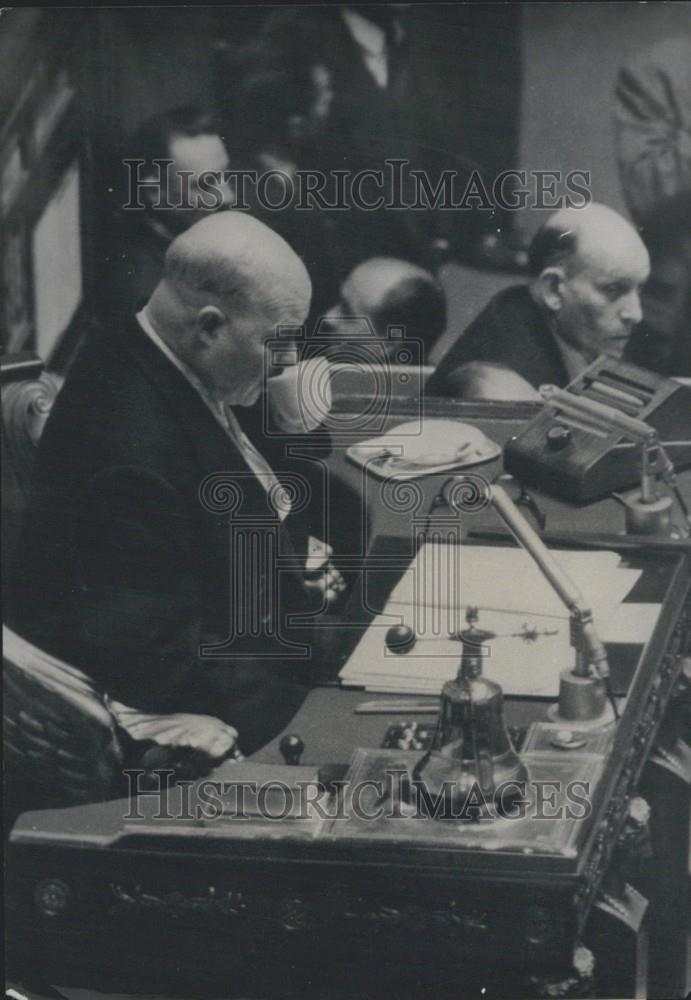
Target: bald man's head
<point>228,283</point>
<point>237,259</point>
<point>588,266</point>
<point>396,293</point>
<point>480,380</point>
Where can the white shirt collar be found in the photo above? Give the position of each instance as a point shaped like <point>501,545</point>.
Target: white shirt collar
<point>372,41</point>
<point>368,35</point>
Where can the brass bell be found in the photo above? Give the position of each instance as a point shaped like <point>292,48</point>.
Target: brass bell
<point>471,758</point>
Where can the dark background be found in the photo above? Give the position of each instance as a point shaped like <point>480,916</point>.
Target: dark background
<point>517,85</point>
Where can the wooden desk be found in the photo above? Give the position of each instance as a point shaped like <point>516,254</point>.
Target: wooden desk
<point>285,915</point>
<point>499,421</point>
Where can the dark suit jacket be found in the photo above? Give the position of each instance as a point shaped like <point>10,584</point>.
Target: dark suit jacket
<point>127,563</point>
<point>509,331</point>
<point>135,265</point>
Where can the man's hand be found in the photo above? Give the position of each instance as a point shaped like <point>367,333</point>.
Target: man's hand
<point>320,573</point>
<point>201,733</point>
<point>198,732</point>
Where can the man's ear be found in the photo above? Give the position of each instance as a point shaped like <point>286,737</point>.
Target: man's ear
<point>209,321</point>
<point>550,288</point>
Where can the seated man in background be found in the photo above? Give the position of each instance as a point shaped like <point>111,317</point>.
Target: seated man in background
<point>479,380</point>
<point>133,258</point>
<point>132,565</point>
<point>395,294</point>
<point>587,269</point>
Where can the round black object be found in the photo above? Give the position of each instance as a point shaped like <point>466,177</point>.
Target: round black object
<point>558,437</point>
<point>400,638</point>
<point>292,748</point>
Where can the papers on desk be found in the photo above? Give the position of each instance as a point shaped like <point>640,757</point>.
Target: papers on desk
<point>513,598</point>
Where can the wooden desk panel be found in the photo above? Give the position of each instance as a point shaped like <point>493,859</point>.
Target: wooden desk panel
<point>301,918</point>
<point>263,907</point>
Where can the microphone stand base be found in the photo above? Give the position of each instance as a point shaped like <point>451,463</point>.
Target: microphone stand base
<point>582,703</point>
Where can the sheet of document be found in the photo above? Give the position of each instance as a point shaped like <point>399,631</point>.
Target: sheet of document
<point>532,644</point>
<point>520,666</point>
<point>508,579</point>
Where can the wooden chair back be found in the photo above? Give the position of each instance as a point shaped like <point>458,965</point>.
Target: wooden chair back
<point>61,746</point>
<point>28,394</point>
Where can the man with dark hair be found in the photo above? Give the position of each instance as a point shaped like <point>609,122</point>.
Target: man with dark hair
<point>192,139</point>
<point>587,270</point>
<point>395,294</point>
<point>174,175</point>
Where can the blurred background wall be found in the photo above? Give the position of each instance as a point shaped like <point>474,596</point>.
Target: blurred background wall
<point>571,54</point>
<point>516,85</point>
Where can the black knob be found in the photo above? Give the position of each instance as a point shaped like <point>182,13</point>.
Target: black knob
<point>558,437</point>
<point>400,638</point>
<point>292,748</point>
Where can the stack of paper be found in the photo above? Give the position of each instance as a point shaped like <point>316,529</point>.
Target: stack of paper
<point>515,602</point>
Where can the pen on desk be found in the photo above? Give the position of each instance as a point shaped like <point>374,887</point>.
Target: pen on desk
<point>394,707</point>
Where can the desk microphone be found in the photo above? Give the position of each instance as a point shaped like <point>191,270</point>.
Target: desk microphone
<point>648,512</point>
<point>584,690</point>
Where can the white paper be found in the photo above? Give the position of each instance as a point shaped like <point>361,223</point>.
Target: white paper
<point>509,580</point>
<point>631,623</point>
<point>520,666</point>
<point>532,644</point>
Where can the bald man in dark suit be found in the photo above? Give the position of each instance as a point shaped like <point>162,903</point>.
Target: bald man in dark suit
<point>155,554</point>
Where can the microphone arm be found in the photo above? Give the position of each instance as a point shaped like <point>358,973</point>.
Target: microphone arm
<point>608,418</point>
<point>584,638</point>
<point>654,461</point>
